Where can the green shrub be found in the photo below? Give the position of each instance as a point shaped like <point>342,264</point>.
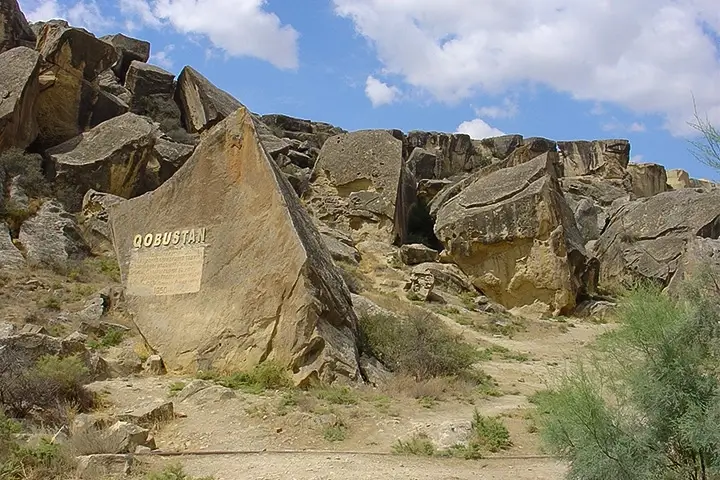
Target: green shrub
<point>644,403</point>
<point>419,346</point>
<point>337,394</point>
<point>265,376</point>
<point>173,472</point>
<point>335,433</point>
<point>45,461</point>
<point>419,444</point>
<point>489,434</point>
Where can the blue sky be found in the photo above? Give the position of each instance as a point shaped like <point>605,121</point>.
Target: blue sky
<point>561,69</point>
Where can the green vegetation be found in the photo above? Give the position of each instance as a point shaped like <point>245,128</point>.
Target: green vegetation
<point>173,472</point>
<point>112,338</point>
<point>265,376</point>
<point>419,346</point>
<point>335,433</point>
<point>176,387</point>
<point>706,150</point>
<point>645,403</point>
<point>337,394</point>
<point>355,280</point>
<point>419,444</point>
<point>489,434</point>
<point>503,353</point>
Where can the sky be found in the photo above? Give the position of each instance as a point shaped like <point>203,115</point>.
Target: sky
<point>559,69</point>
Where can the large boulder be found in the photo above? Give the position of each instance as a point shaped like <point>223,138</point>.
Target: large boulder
<point>605,158</point>
<point>678,179</point>
<point>202,104</point>
<point>51,238</point>
<point>701,255</point>
<point>129,50</point>
<point>69,90</point>
<point>644,239</point>
<point>513,233</point>
<point>648,179</point>
<point>225,252</point>
<point>356,182</point>
<point>14,28</point>
<point>94,221</point>
<point>19,88</point>
<point>110,158</point>
<point>454,153</point>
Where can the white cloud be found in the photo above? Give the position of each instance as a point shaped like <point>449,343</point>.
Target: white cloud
<point>637,159</point>
<point>648,56</point>
<point>508,109</point>
<point>239,27</point>
<point>479,129</point>
<point>637,127</point>
<point>162,57</point>
<point>84,14</point>
<point>614,125</point>
<point>380,93</point>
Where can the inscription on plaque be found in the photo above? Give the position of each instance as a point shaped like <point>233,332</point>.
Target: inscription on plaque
<point>166,270</point>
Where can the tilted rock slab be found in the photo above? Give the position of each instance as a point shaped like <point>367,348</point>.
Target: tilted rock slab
<point>19,89</point>
<point>356,183</point>
<point>69,88</point>
<point>202,104</point>
<point>606,158</point>
<point>224,268</point>
<point>513,234</point>
<point>648,179</point>
<point>51,238</point>
<point>646,239</point>
<point>10,256</point>
<point>109,158</point>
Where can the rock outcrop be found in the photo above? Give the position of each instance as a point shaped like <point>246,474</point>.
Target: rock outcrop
<point>243,273</point>
<point>95,224</point>
<point>645,239</point>
<point>202,103</point>
<point>69,89</point>
<point>356,182</point>
<point>10,256</point>
<point>678,179</point>
<point>647,179</point>
<point>604,158</point>
<point>51,238</point>
<point>109,158</point>
<point>128,50</point>
<point>513,233</point>
<point>14,28</point>
<point>19,88</point>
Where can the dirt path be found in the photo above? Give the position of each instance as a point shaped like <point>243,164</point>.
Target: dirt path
<point>364,467</point>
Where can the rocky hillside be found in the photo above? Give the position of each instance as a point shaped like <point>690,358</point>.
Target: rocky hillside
<point>237,233</point>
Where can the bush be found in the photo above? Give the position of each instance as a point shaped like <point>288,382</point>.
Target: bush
<point>45,461</point>
<point>645,403</point>
<point>420,346</point>
<point>265,376</point>
<point>419,444</point>
<point>489,434</point>
<point>337,394</point>
<point>45,389</point>
<point>173,472</point>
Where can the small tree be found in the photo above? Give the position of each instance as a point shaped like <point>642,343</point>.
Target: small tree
<point>707,149</point>
<point>646,403</point>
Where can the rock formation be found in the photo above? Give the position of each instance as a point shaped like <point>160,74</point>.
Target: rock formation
<point>19,88</point>
<point>291,305</point>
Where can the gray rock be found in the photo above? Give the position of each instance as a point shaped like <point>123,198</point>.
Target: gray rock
<point>129,49</point>
<point>599,309</point>
<point>428,189</point>
<point>421,285</point>
<point>365,307</point>
<point>169,157</point>
<point>605,158</point>
<point>155,365</point>
<point>19,90</point>
<point>202,392</point>
<point>77,337</point>
<point>104,465</point>
<point>105,107</point>
<point>7,329</point>
<point>645,239</point>
<point>10,256</point>
<point>447,276</point>
<point>24,350</point>
<point>422,164</point>
<point>51,238</point>
<point>94,220</point>
<point>110,158</point>
<point>150,415</point>
<point>127,436</point>
<point>108,82</point>
<point>341,251</point>
<point>701,256</point>
<point>455,153</point>
<point>648,179</point>
<point>14,28</point>
<point>414,254</point>
<point>202,103</point>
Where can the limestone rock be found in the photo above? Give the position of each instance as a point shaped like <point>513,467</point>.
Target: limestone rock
<point>678,179</point>
<point>645,239</point>
<point>422,163</point>
<point>150,415</point>
<point>240,303</point>
<point>104,466</point>
<point>110,158</point>
<point>169,157</point>
<point>126,436</point>
<point>203,392</point>
<point>421,285</point>
<point>356,181</point>
<point>455,153</point>
<point>94,220</point>
<point>129,50</point>
<point>24,350</point>
<point>513,233</point>
<point>154,365</point>
<point>363,306</point>
<point>605,158</point>
<point>51,237</point>
<point>14,28</point>
<point>202,103</point>
<point>340,246</point>
<point>10,256</point>
<point>311,136</point>
<point>108,82</point>
<point>701,255</point>
<point>7,329</point>
<point>69,86</point>
<point>19,88</point>
<point>416,253</point>
<point>500,147</point>
<point>427,190</point>
<point>105,107</point>
<point>448,277</point>
<point>648,179</point>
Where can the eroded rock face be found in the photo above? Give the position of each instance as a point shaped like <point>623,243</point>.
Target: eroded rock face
<point>356,182</point>
<point>645,239</point>
<point>129,50</point>
<point>605,158</point>
<point>202,103</point>
<point>237,300</point>
<point>69,87</point>
<point>110,158</point>
<point>51,237</point>
<point>514,235</point>
<point>10,256</point>
<point>648,179</point>
<point>14,28</point>
<point>454,153</point>
<point>19,87</point>
<point>678,179</point>
<point>94,224</point>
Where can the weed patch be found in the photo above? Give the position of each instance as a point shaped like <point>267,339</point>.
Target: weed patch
<point>265,376</point>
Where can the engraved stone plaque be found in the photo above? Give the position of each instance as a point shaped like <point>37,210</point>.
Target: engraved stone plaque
<point>165,271</point>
